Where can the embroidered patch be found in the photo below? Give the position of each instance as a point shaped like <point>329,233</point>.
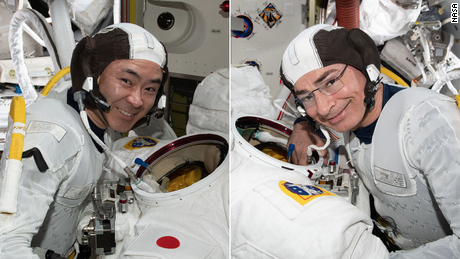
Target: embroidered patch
<point>46,127</point>
<point>140,142</point>
<point>302,193</point>
<point>74,193</point>
<point>156,241</point>
<point>270,15</point>
<point>389,177</point>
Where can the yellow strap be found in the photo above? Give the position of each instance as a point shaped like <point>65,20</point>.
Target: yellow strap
<point>393,76</point>
<point>457,98</point>
<point>54,80</point>
<point>18,114</point>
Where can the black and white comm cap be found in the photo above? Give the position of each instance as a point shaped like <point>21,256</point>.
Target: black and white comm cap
<point>323,45</point>
<point>142,44</point>
<point>119,41</point>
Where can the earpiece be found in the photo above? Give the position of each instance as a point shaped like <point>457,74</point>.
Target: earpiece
<point>88,84</point>
<point>373,74</point>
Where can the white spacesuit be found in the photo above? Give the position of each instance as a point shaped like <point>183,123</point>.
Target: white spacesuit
<point>411,170</point>
<point>277,212</point>
<point>407,156</point>
<point>210,100</point>
<point>61,161</point>
<point>193,218</point>
<point>69,166</point>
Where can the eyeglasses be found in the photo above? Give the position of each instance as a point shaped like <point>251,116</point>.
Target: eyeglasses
<point>327,87</point>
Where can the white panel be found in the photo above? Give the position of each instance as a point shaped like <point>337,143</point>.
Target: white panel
<point>251,6</point>
<point>267,44</point>
<point>198,43</point>
<point>289,9</point>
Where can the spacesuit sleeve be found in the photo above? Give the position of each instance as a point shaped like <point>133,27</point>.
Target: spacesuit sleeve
<point>35,194</point>
<point>431,142</point>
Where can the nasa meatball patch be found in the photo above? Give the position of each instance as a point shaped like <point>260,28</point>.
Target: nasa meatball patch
<point>140,142</point>
<point>302,193</point>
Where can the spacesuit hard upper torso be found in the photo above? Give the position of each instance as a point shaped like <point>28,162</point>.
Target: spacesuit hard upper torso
<point>196,216</point>
<point>278,213</point>
<point>197,220</point>
<point>412,171</point>
<point>50,202</point>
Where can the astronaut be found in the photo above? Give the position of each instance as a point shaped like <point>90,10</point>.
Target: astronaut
<point>402,141</point>
<point>122,70</point>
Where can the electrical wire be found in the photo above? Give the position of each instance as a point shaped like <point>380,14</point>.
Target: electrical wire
<point>328,141</point>
<point>79,97</point>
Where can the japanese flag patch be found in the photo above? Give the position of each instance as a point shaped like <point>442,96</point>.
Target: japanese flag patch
<point>157,241</point>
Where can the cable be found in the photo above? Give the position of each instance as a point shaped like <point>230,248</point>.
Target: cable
<point>448,82</point>
<point>446,77</point>
<point>328,140</point>
<point>426,52</point>
<point>17,53</point>
<point>32,34</point>
<point>79,97</point>
<point>393,76</point>
<point>54,80</point>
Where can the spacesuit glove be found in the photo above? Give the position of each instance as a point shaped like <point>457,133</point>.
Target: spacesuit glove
<point>303,136</point>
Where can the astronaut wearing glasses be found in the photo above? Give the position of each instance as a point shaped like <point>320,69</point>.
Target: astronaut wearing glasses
<point>403,142</point>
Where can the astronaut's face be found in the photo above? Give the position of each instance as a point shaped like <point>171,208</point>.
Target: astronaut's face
<point>343,110</point>
<point>130,87</point>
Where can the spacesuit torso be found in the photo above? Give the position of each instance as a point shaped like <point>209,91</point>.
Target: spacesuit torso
<point>411,170</point>
<point>278,213</point>
<point>195,216</point>
<point>50,201</point>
